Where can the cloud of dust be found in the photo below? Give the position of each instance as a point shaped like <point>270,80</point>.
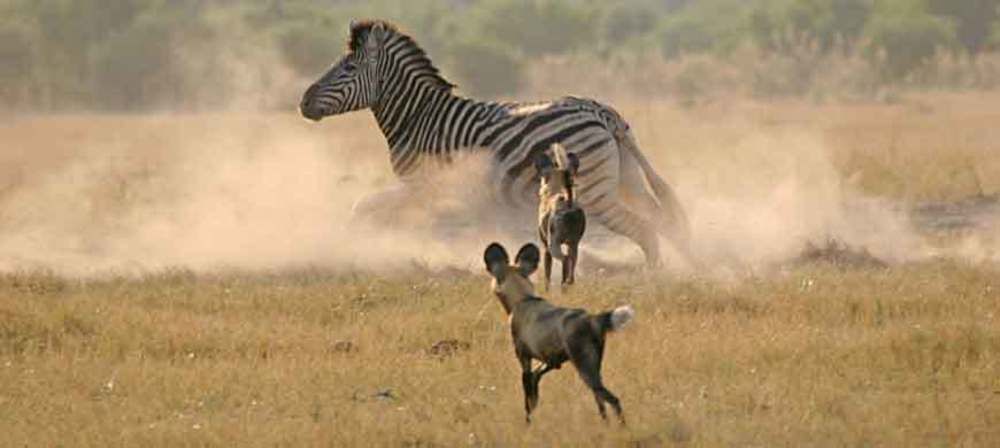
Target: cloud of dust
<point>241,196</point>
<point>249,188</point>
<point>266,191</point>
<point>761,196</point>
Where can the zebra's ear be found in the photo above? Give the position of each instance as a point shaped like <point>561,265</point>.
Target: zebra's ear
<point>376,36</point>
<point>543,164</point>
<point>527,259</point>
<point>574,162</point>
<point>496,260</point>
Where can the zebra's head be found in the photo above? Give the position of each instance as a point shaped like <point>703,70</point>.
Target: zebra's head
<point>352,83</point>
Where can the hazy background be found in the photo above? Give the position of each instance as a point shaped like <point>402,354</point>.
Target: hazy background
<point>128,55</point>
<point>137,134</point>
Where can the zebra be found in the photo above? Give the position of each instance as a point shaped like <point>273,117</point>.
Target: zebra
<point>425,123</point>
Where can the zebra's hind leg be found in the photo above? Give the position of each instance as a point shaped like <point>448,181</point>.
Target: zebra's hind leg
<point>621,220</point>
<point>669,219</point>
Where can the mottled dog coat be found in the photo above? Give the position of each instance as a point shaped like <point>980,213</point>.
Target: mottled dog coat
<point>561,221</point>
<point>548,333</point>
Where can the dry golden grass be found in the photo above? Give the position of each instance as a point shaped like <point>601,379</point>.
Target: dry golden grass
<point>814,357</point>
<point>924,147</point>
<point>259,354</point>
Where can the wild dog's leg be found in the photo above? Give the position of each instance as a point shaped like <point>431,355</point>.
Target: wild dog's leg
<point>548,267</point>
<point>570,261</point>
<point>547,256</point>
<point>531,402</point>
<point>545,368</point>
<point>529,384</point>
<point>567,269</point>
<point>586,351</point>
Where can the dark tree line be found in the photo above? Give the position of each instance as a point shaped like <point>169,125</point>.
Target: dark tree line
<point>147,54</point>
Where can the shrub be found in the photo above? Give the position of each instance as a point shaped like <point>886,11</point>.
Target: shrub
<point>486,69</point>
<point>17,53</point>
<point>718,26</point>
<point>534,27</point>
<point>901,44</point>
<point>307,48</point>
<point>132,68</point>
<point>684,34</point>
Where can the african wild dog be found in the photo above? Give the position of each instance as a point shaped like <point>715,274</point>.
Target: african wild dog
<point>560,219</point>
<point>551,334</point>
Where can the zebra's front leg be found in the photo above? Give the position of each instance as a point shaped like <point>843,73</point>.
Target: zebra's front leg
<point>381,206</point>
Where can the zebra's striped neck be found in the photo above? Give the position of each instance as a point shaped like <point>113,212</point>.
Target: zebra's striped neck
<point>416,110</point>
<point>398,110</point>
<point>423,121</point>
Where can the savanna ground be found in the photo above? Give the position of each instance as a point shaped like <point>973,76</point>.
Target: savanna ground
<point>185,280</point>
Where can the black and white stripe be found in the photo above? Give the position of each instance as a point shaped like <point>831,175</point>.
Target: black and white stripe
<point>423,120</point>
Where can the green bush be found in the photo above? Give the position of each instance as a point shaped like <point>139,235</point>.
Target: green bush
<point>684,34</point>
<point>308,49</point>
<point>627,21</point>
<point>136,54</point>
<point>18,55</point>
<point>134,68</point>
<point>993,43</point>
<point>900,44</point>
<point>717,26</point>
<point>486,69</point>
<point>534,27</point>
<point>974,20</point>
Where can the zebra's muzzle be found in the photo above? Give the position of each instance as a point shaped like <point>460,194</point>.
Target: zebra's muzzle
<point>311,113</point>
<point>310,108</point>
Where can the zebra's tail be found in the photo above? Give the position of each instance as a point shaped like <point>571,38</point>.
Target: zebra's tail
<point>676,228</point>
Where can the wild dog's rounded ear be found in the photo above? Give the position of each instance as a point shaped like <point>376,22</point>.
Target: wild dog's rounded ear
<point>543,163</point>
<point>574,162</point>
<point>496,259</point>
<point>527,259</point>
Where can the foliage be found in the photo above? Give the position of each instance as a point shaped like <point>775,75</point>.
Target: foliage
<point>716,26</point>
<point>17,54</point>
<point>974,20</point>
<point>785,25</point>
<point>903,38</point>
<point>487,69</point>
<point>536,27</point>
<point>131,54</point>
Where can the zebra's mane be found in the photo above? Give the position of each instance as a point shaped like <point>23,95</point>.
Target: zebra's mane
<point>359,34</point>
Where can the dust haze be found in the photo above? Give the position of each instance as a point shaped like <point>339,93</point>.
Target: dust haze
<point>256,187</point>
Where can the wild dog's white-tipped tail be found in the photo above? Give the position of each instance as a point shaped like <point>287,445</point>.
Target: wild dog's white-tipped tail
<point>621,316</point>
